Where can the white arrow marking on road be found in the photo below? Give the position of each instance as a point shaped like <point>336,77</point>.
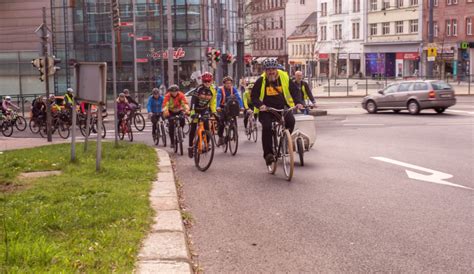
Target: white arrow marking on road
<point>460,111</point>
<point>435,177</point>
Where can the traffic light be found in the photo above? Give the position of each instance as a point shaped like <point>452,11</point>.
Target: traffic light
<point>39,64</point>
<point>52,62</point>
<point>209,56</point>
<point>217,56</point>
<point>116,14</point>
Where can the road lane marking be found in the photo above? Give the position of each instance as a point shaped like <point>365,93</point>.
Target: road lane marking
<point>435,177</point>
<point>461,111</point>
<point>364,125</point>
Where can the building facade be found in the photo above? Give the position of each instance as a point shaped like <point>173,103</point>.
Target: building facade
<point>339,51</point>
<point>393,43</point>
<point>453,37</point>
<point>301,47</point>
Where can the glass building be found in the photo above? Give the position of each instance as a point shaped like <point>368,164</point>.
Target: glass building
<point>83,33</point>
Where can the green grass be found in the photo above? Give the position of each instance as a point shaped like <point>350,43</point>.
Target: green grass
<point>80,221</point>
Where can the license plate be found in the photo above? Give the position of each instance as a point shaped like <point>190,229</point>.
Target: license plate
<point>446,95</point>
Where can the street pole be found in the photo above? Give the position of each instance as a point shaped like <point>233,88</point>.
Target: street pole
<point>114,74</point>
<point>135,82</point>
<point>162,43</point>
<point>218,37</point>
<point>46,74</point>
<point>430,64</point>
<point>170,45</point>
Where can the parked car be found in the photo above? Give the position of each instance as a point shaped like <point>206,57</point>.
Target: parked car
<point>412,95</point>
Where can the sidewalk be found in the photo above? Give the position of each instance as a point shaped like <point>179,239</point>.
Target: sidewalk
<point>10,143</point>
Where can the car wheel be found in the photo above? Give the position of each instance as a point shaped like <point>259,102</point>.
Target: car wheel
<point>396,110</point>
<point>413,107</point>
<point>439,110</point>
<point>371,107</point>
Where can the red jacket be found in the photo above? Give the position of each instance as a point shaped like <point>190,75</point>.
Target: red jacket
<point>179,103</point>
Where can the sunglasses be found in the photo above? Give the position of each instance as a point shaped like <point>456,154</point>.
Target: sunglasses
<point>206,82</point>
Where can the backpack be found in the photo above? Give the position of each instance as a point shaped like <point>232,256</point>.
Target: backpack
<point>232,107</point>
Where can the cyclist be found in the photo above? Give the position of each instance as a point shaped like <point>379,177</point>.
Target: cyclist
<point>174,103</point>
<point>122,107</point>
<point>304,89</point>
<point>38,107</point>
<point>248,106</point>
<point>130,99</point>
<point>225,98</point>
<point>274,89</point>
<point>69,99</point>
<point>201,103</point>
<point>55,108</point>
<point>8,106</point>
<point>155,102</point>
<point>207,80</point>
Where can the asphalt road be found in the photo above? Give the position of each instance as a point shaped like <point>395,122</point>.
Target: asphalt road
<point>344,211</point>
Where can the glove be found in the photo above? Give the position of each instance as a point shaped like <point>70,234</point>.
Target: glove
<point>166,113</point>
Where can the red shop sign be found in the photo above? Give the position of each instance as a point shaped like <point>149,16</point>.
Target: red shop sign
<point>324,56</point>
<point>177,54</point>
<point>408,55</point>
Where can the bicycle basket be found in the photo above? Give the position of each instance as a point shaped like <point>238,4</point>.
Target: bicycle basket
<point>232,108</point>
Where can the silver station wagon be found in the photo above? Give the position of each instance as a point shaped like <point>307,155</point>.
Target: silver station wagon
<point>412,95</point>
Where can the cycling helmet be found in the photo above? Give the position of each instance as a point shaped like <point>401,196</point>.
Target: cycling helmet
<point>8,98</point>
<point>126,91</point>
<point>270,64</point>
<point>173,88</point>
<point>227,78</point>
<point>155,91</point>
<point>207,77</point>
<point>122,94</point>
<point>70,90</point>
<point>51,96</point>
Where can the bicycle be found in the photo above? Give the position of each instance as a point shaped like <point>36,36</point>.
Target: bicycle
<point>6,126</point>
<point>58,124</point>
<point>138,119</point>
<point>203,145</point>
<point>178,133</point>
<point>231,136</point>
<point>159,131</point>
<point>282,143</point>
<point>252,129</point>
<point>18,121</point>
<point>125,128</point>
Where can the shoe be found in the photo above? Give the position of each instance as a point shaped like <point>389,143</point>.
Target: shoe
<point>221,141</point>
<point>190,152</point>
<point>269,159</point>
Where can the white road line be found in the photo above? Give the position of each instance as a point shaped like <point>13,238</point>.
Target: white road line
<point>461,111</point>
<point>436,177</point>
<point>356,125</point>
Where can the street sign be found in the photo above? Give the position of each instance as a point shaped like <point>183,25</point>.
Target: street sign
<point>126,24</point>
<point>144,38</point>
<point>432,52</point>
<point>431,58</point>
<point>91,82</point>
<point>142,60</point>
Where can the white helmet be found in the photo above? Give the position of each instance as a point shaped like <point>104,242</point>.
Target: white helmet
<point>8,98</point>
<point>70,90</point>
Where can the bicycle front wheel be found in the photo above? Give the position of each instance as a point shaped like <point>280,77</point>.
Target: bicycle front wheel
<point>7,129</point>
<point>20,123</point>
<point>233,140</point>
<point>180,140</point>
<point>186,126</point>
<point>204,151</point>
<point>287,154</point>
<point>255,132</point>
<point>139,121</point>
<point>129,132</point>
<point>63,130</point>
<point>300,148</point>
<point>34,126</point>
<point>163,134</point>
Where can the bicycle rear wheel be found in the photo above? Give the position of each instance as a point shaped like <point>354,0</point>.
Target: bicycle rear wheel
<point>34,126</point>
<point>287,154</point>
<point>139,121</point>
<point>300,148</point>
<point>20,123</point>
<point>63,130</point>
<point>129,132</point>
<point>203,157</point>
<point>122,129</point>
<point>156,135</point>
<point>233,140</point>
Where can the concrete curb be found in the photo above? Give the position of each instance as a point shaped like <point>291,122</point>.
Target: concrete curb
<point>164,250</point>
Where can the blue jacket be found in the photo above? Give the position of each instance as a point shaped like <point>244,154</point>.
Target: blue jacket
<point>154,105</point>
<point>227,94</point>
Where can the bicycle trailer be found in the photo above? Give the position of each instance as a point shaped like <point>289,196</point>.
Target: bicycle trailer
<point>305,129</point>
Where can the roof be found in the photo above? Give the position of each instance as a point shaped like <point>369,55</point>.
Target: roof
<point>307,28</point>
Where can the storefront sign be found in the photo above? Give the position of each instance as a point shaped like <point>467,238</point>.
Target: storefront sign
<point>126,24</point>
<point>343,55</point>
<point>142,60</point>
<point>354,56</point>
<point>177,54</point>
<point>407,56</point>
<point>324,56</point>
<point>144,38</point>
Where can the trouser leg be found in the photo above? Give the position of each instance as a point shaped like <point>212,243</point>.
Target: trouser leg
<point>266,119</point>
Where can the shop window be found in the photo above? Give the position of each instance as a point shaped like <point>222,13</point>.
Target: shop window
<point>469,26</point>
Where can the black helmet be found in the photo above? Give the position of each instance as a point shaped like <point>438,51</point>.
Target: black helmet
<point>270,64</point>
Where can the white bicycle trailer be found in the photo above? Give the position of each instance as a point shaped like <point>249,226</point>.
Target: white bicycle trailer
<point>304,135</point>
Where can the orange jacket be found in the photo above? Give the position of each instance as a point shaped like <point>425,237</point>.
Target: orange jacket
<point>179,103</point>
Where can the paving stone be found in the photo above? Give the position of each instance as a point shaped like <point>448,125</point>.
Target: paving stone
<point>163,189</point>
<point>165,176</point>
<point>148,267</point>
<point>164,203</point>
<point>169,220</point>
<point>164,245</point>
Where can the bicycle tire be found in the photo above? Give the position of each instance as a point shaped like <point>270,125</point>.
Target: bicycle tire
<point>129,132</point>
<point>20,123</point>
<point>299,147</point>
<point>163,134</point>
<point>156,135</point>
<point>83,128</point>
<point>287,155</point>
<point>139,121</point>
<point>208,152</point>
<point>255,132</point>
<point>7,129</point>
<point>233,140</point>
<point>176,137</point>
<point>63,130</point>
<point>122,131</point>
<point>34,126</point>
<point>43,131</point>
<point>187,126</point>
<point>180,140</point>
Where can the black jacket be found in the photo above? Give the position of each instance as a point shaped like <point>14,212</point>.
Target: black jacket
<point>274,101</point>
<point>308,90</point>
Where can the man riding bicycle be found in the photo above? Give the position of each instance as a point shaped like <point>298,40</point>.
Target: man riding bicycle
<point>69,99</point>
<point>227,95</point>
<point>248,106</point>
<point>173,105</point>
<point>154,107</point>
<point>303,87</point>
<point>274,89</point>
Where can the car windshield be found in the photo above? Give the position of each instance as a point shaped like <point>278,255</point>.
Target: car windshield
<point>440,85</point>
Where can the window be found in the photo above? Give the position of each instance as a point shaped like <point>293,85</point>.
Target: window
<point>435,29</point>
<point>404,87</point>
<point>265,24</point>
<point>281,42</point>
<point>448,27</point>
<point>399,3</point>
<point>469,26</point>
<point>455,27</point>
<point>273,23</point>
<point>356,5</point>
<point>302,2</point>
<point>435,2</point>
<point>414,26</point>
<point>455,2</point>
<point>399,27</point>
<point>281,22</point>
<point>413,2</point>
<point>449,2</point>
<point>385,28</point>
<point>373,5</point>
<point>323,33</point>
<point>420,86</point>
<point>391,89</point>
<point>355,30</point>
<point>386,5</point>
<point>337,6</point>
<point>324,9</point>
<point>338,31</point>
<point>373,29</point>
